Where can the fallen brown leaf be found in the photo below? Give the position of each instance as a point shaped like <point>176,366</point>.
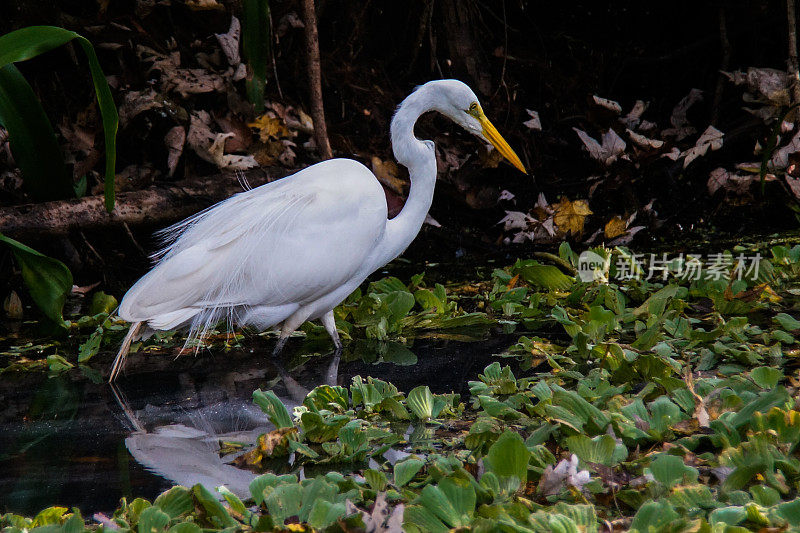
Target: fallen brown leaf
<point>570,216</point>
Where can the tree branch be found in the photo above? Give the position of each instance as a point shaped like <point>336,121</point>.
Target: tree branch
<point>791,18</point>
<point>315,79</point>
<point>157,205</point>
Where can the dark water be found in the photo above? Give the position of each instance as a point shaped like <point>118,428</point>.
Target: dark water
<point>71,441</point>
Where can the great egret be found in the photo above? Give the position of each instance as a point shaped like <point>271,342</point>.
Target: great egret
<point>291,250</point>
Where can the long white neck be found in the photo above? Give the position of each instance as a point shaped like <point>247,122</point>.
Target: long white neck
<point>420,159</point>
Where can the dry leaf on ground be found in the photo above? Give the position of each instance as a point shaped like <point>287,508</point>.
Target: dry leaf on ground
<point>642,141</point>
<point>210,146</point>
<point>611,105</point>
<point>712,139</point>
<point>681,128</point>
<point>229,42</point>
<point>634,116</point>
<point>570,216</point>
<point>607,152</point>
<point>533,123</point>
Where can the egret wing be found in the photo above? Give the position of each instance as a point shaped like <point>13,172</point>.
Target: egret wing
<point>290,241</point>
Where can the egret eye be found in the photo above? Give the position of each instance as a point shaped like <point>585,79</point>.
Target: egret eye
<point>473,107</point>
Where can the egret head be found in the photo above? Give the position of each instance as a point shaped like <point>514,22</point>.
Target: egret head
<point>457,101</point>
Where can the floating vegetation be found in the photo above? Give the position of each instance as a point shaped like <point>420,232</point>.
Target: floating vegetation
<point>662,404</point>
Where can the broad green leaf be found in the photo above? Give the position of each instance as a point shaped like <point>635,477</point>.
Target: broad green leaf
<point>273,407</point>
<point>324,513</point>
<point>727,515</point>
<point>508,457</point>
<point>91,346</point>
<point>766,377</point>
<point>670,470</point>
<point>185,527</point>
<point>175,502</point>
<point>420,401</point>
<point>546,276</point>
<point>404,471</point>
<point>283,502</point>
<point>424,520</point>
<point>787,322</point>
<point>652,516</point>
<point>217,514</point>
<point>152,520</point>
<point>599,449</point>
<point>48,280</point>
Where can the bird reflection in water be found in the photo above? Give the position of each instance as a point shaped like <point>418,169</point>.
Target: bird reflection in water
<point>187,452</point>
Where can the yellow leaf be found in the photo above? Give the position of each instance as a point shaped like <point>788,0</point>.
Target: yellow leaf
<point>570,216</point>
<point>615,227</point>
<point>270,127</point>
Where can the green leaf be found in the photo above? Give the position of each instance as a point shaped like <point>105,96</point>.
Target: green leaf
<point>727,515</point>
<point>790,511</point>
<point>787,322</point>
<point>424,519</point>
<point>670,470</point>
<point>508,457</point>
<point>766,377</point>
<point>324,513</point>
<point>283,502</point>
<point>152,520</point>
<point>273,407</point>
<point>375,479</point>
<point>653,516</point>
<point>599,449</point>
<point>185,527</point>
<point>48,280</point>
<point>420,401</point>
<point>102,303</point>
<point>91,346</point>
<point>461,495</point>
<point>26,43</point>
<point>404,471</point>
<point>546,276</point>
<point>233,500</point>
<point>176,502</point>
<point>217,514</point>
<point>57,363</point>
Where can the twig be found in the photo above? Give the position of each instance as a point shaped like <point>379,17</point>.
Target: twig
<point>725,47</point>
<point>315,80</point>
<point>791,19</point>
<point>133,239</point>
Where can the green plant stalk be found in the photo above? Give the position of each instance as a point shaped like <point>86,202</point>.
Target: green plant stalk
<point>256,47</point>
<point>27,43</point>
<point>33,141</point>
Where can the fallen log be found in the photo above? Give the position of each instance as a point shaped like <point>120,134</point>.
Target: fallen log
<point>160,204</point>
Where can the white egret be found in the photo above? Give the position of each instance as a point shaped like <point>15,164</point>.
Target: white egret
<point>291,250</point>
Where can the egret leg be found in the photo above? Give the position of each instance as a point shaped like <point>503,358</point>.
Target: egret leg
<point>288,327</point>
<point>332,375</point>
<point>330,326</point>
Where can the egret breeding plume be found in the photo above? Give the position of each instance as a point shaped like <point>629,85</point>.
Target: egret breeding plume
<point>291,250</point>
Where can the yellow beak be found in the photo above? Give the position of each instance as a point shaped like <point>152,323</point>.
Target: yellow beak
<point>494,137</point>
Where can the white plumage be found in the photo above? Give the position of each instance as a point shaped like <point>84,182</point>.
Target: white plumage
<point>291,250</point>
